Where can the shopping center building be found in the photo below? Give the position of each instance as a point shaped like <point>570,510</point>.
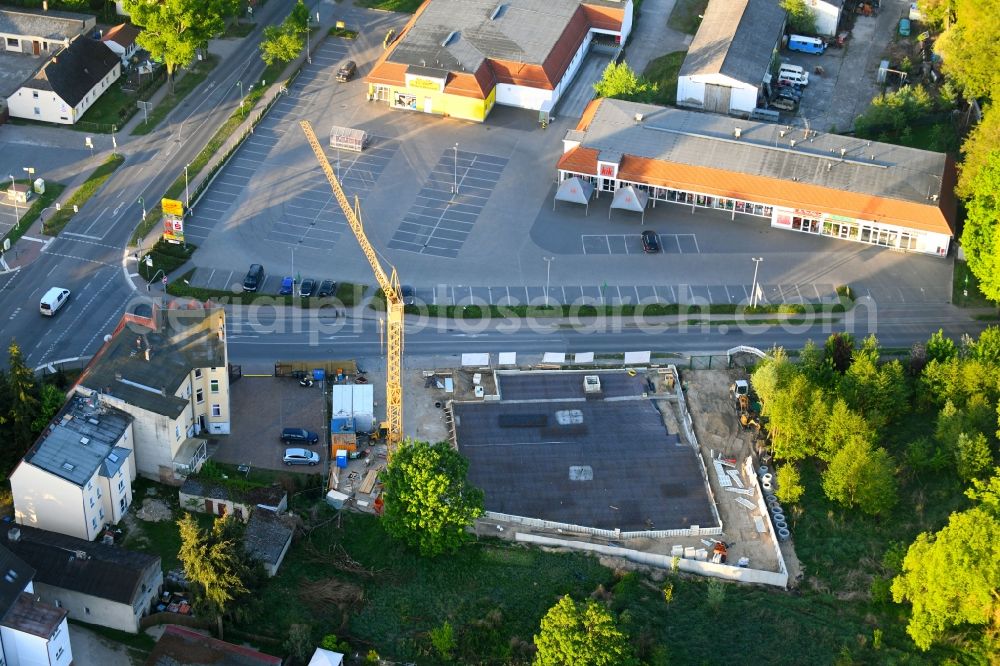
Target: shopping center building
<point>800,180</point>
<point>460,57</point>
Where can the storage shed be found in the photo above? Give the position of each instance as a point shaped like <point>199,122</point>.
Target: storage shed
<point>353,408</point>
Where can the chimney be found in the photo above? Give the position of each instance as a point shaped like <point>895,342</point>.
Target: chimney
<point>737,132</point>
<point>792,143</point>
<point>14,534</point>
<point>843,151</point>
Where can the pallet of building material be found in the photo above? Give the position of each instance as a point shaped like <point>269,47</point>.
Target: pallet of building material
<point>734,474</point>
<point>745,502</point>
<point>721,475</point>
<point>369,483</point>
<point>759,524</point>
<point>741,491</point>
<point>334,478</point>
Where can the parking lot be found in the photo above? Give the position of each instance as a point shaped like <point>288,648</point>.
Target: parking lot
<point>498,240</point>
<point>261,407</point>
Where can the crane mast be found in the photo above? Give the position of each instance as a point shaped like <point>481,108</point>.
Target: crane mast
<point>390,287</point>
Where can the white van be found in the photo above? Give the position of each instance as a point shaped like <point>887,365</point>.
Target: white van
<point>53,299</point>
<point>793,74</point>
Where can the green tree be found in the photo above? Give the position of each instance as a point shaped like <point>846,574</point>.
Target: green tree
<point>940,348</point>
<point>428,501</point>
<point>801,20</point>
<point>839,349</point>
<point>952,578</point>
<point>790,488</point>
<point>213,563</point>
<point>443,640</point>
<point>894,112</point>
<point>50,400</point>
<point>972,456</point>
<point>620,82</point>
<point>334,644</point>
<point>797,417</point>
<point>23,408</point>
<point>772,375</point>
<point>969,47</point>
<point>987,348</point>
<point>298,20</point>
<point>980,237</point>
<point>861,476</point>
<point>936,13</point>
<point>582,634</point>
<point>173,30</point>
<point>815,365</point>
<point>280,44</point>
<point>844,427</point>
<point>982,140</point>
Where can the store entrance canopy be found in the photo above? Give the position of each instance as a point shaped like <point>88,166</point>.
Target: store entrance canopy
<point>574,190</point>
<point>628,198</point>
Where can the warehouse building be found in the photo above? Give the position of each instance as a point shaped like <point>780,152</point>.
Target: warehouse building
<point>730,56</point>
<point>799,180</point>
<point>460,57</point>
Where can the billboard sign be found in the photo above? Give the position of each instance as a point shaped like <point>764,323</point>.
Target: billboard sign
<point>172,207</point>
<point>173,229</point>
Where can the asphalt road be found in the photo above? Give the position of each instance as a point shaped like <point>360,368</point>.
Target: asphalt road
<point>89,257</point>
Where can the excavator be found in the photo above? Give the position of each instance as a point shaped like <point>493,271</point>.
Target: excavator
<point>393,425</point>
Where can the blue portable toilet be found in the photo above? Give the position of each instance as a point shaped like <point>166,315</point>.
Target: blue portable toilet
<point>319,374</point>
<point>341,458</point>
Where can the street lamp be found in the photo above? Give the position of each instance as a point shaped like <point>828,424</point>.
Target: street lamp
<point>454,189</point>
<point>89,143</point>
<point>187,192</point>
<point>548,271</point>
<point>30,171</point>
<point>308,53</point>
<point>754,288</point>
<point>142,203</point>
<point>13,189</point>
<point>114,142</point>
<point>293,266</point>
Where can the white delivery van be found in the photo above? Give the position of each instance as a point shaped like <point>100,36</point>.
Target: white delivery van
<point>793,74</point>
<point>53,299</point>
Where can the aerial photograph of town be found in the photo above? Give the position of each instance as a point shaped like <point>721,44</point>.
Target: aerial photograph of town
<point>311,353</point>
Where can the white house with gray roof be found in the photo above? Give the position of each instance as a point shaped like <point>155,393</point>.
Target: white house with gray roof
<point>730,56</point>
<point>40,33</point>
<point>78,475</point>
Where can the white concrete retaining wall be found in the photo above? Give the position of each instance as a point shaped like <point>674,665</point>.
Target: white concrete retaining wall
<point>537,523</point>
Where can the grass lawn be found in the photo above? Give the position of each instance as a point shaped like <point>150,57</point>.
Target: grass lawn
<point>962,279</point>
<point>408,6</point>
<point>113,108</point>
<point>663,72</point>
<point>160,538</point>
<point>347,295</point>
<point>61,218</point>
<point>38,204</point>
<point>686,15</point>
<point>182,86</point>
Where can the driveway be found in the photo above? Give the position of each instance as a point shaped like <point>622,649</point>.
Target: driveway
<point>92,648</point>
<point>651,37</point>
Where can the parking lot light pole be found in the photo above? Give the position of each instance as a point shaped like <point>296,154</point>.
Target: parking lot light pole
<point>548,271</point>
<point>454,188</point>
<point>753,289</point>
<point>13,191</point>
<point>293,264</point>
<point>187,192</point>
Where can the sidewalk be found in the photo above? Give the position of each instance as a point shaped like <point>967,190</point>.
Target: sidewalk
<point>652,37</point>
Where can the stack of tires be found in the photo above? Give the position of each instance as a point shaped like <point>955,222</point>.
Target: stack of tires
<point>773,505</point>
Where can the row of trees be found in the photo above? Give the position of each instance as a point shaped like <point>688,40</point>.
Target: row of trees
<point>283,43</point>
<point>26,406</point>
<point>841,409</point>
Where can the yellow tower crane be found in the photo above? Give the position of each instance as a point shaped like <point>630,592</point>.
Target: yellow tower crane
<point>390,287</point>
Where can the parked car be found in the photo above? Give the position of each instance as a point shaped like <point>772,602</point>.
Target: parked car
<point>287,285</point>
<point>327,288</point>
<point>300,457</point>
<point>307,287</point>
<point>650,242</point>
<point>254,278</point>
<point>408,294</point>
<point>298,436</point>
<point>347,71</point>
<point>904,27</point>
<point>782,104</point>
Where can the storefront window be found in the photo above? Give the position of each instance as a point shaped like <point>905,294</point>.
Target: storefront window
<point>403,101</point>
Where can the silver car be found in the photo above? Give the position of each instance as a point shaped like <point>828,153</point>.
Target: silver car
<point>301,457</point>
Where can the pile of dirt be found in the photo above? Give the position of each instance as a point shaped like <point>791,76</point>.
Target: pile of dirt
<point>154,511</point>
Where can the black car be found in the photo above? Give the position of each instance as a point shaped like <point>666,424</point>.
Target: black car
<point>254,278</point>
<point>298,436</point>
<point>307,287</point>
<point>650,242</point>
<point>347,71</point>
<point>327,288</point>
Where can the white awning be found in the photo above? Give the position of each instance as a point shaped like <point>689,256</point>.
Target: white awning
<point>630,199</point>
<point>574,190</point>
<point>475,360</point>
<point>554,357</point>
<point>507,358</point>
<point>584,357</point>
<point>637,358</point>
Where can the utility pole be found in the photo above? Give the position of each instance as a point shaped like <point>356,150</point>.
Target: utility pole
<point>754,288</point>
<point>548,271</point>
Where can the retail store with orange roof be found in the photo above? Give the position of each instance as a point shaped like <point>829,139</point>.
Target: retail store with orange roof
<point>794,178</point>
<point>460,57</point>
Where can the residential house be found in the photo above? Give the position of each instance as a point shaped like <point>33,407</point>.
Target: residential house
<point>32,632</point>
<point>78,476</point>
<point>121,40</point>
<point>171,373</point>
<point>40,33</point>
<point>267,538</point>
<point>827,14</point>
<point>68,84</point>
<point>95,583</point>
<point>177,644</point>
<point>219,499</point>
<point>730,56</point>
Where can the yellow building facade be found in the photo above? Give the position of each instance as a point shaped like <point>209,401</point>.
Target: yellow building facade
<point>427,95</point>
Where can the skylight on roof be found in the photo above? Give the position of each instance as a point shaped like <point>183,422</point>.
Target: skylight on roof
<point>11,576</point>
<point>68,466</point>
<point>113,457</point>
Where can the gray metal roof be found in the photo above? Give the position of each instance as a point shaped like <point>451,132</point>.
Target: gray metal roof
<point>15,574</point>
<point>766,149</point>
<point>52,26</point>
<point>81,441</point>
<point>521,31</point>
<point>183,340</point>
<point>266,535</point>
<point>736,38</point>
